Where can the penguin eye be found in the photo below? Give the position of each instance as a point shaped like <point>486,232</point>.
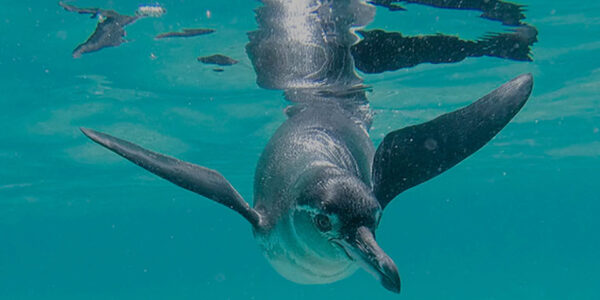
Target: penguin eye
<point>323,223</point>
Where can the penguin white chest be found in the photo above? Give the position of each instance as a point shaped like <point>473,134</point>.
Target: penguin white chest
<point>303,254</point>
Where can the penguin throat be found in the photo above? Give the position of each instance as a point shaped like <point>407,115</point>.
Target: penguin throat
<point>303,254</point>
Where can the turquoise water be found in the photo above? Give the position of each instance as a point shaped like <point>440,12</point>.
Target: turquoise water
<point>517,220</point>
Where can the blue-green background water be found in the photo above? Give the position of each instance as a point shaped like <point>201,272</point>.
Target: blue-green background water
<point>517,220</point>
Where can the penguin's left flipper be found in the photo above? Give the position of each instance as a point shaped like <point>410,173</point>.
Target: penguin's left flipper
<point>415,154</point>
<point>206,182</point>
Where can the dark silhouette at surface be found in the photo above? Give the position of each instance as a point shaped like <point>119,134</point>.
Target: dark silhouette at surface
<point>505,12</point>
<point>515,45</point>
<point>217,59</point>
<point>93,11</point>
<point>377,52</point>
<point>109,31</point>
<point>381,51</point>
<point>186,33</point>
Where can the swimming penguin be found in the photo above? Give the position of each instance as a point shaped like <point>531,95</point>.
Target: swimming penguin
<point>320,185</point>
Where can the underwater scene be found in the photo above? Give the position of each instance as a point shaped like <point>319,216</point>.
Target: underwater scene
<point>300,149</point>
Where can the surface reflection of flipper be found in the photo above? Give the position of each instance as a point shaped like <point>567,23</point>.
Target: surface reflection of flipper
<point>381,51</point>
<point>185,33</point>
<point>93,11</point>
<point>514,45</point>
<point>206,182</point>
<point>415,154</point>
<point>109,31</point>
<point>505,12</point>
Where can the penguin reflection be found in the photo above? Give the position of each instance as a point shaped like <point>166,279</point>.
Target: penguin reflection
<point>381,51</point>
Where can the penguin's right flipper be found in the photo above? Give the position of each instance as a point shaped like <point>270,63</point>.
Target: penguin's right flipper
<point>206,182</point>
<point>415,154</point>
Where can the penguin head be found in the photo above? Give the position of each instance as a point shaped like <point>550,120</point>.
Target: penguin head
<point>338,216</point>
<point>341,204</point>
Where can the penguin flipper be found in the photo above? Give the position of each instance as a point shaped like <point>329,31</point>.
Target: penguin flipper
<point>415,154</point>
<point>206,182</point>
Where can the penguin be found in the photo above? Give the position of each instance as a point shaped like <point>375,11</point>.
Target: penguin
<point>320,185</point>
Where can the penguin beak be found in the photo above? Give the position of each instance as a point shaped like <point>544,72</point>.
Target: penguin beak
<point>364,249</point>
